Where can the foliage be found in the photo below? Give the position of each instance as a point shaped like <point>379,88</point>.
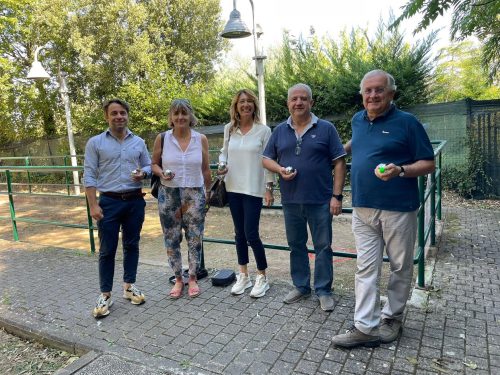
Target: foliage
<point>149,52</point>
<point>334,69</point>
<point>146,51</point>
<point>470,180</point>
<point>469,17</point>
<point>459,75</point>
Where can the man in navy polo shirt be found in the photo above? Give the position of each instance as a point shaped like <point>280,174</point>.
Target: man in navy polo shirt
<point>390,149</point>
<point>309,195</point>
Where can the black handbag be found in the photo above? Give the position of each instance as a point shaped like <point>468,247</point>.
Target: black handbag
<point>223,277</point>
<point>218,194</point>
<point>155,180</point>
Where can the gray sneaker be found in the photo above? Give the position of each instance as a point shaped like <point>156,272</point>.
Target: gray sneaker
<point>354,337</point>
<point>390,330</point>
<point>326,302</point>
<point>294,296</point>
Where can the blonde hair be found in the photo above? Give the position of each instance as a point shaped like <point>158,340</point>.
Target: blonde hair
<point>233,110</point>
<point>181,105</point>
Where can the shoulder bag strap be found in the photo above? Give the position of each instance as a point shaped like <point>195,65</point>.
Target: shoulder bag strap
<point>162,143</point>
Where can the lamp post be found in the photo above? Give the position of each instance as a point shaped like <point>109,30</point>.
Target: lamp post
<point>236,28</point>
<point>37,72</point>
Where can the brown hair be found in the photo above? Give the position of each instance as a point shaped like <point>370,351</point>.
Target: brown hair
<point>121,102</point>
<point>233,110</point>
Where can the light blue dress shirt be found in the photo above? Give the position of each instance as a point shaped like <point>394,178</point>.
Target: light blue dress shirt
<point>109,162</point>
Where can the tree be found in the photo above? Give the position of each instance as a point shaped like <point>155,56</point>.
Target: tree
<point>334,68</point>
<point>470,17</point>
<point>146,51</point>
<point>459,75</point>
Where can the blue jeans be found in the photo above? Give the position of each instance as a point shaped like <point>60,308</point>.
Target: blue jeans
<point>129,215</point>
<point>319,219</point>
<point>245,211</point>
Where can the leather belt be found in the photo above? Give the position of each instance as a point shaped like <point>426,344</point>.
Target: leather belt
<point>127,196</point>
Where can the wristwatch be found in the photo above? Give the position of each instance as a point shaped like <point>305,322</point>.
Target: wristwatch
<point>402,173</point>
<point>338,197</point>
<point>144,175</point>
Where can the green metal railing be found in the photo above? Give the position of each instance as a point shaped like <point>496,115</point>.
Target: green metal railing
<point>429,191</point>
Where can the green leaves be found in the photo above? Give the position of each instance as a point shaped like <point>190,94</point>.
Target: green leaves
<point>469,17</point>
<point>146,51</point>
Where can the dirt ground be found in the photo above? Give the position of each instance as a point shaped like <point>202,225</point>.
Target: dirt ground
<point>20,356</point>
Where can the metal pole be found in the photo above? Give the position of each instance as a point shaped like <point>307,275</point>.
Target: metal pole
<point>259,71</point>
<point>11,206</point>
<point>439,186</point>
<point>63,89</point>
<point>421,233</point>
<point>90,224</point>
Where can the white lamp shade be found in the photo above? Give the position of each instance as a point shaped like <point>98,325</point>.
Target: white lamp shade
<point>37,71</point>
<point>235,27</point>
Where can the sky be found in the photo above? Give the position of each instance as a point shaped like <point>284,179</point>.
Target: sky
<point>328,17</point>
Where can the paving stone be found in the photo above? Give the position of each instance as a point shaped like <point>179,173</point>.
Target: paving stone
<point>306,367</point>
<point>290,356</point>
<point>218,333</point>
<point>258,368</point>
<point>282,368</point>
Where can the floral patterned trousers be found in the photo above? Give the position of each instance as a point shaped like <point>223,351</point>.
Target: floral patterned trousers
<point>182,209</point>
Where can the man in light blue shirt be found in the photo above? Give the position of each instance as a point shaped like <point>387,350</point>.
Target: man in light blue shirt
<point>116,162</point>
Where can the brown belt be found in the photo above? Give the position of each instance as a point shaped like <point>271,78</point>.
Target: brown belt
<point>127,196</point>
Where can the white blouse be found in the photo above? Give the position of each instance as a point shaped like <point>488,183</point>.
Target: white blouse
<point>243,155</point>
<point>185,164</point>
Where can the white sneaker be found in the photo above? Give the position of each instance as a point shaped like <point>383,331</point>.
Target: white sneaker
<point>260,288</point>
<point>242,282</point>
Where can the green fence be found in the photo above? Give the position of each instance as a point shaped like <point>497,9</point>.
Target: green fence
<point>429,195</point>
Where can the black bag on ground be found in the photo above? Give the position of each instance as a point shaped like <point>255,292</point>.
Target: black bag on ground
<point>223,277</point>
<point>218,194</point>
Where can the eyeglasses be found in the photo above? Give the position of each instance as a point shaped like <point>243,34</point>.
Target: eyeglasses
<point>298,147</point>
<point>376,90</point>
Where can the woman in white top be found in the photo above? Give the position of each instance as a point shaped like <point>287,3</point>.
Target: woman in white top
<point>247,182</point>
<point>182,193</point>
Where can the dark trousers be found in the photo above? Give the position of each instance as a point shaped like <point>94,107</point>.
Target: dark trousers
<point>129,216</point>
<point>245,210</point>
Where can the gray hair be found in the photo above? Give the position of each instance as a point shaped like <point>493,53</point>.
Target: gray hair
<point>301,86</point>
<point>182,105</point>
<point>391,82</point>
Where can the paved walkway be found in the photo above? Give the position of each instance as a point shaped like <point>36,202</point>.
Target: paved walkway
<point>47,294</point>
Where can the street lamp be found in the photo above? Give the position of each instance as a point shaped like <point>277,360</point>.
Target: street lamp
<point>37,72</point>
<point>236,28</point>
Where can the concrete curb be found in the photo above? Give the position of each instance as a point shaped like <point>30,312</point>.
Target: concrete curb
<point>43,337</point>
<point>79,364</point>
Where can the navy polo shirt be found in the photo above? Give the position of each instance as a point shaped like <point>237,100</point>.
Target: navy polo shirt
<point>395,137</point>
<point>320,144</point>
